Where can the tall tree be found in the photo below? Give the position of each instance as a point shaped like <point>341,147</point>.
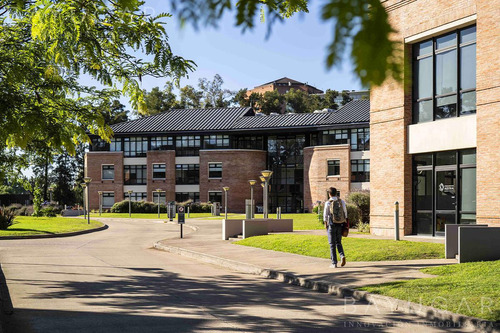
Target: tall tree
<point>329,99</point>
<point>214,95</point>
<point>115,114</point>
<point>271,102</point>
<point>190,97</point>
<point>63,177</point>
<point>297,101</point>
<point>346,98</point>
<point>158,101</point>
<point>241,98</point>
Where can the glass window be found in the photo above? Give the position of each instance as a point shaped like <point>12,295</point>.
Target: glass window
<point>360,170</point>
<point>360,139</point>
<point>424,223</point>
<point>439,92</point>
<point>108,172</point>
<point>423,159</point>
<point>468,190</point>
<point>424,190</point>
<point>135,174</point>
<point>446,158</point>
<point>158,171</point>
<point>135,146</point>
<point>116,144</point>
<point>333,168</point>
<point>136,196</point>
<point>185,196</point>
<point>215,197</point>
<point>248,142</point>
<point>162,143</point>
<point>214,170</point>
<point>163,198</point>
<point>187,174</point>
<point>188,145</point>
<point>468,156</point>
<point>108,199</point>
<point>99,144</point>
<point>335,137</point>
<point>215,141</point>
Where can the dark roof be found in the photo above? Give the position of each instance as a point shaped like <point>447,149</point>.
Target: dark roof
<point>179,120</point>
<point>217,119</point>
<point>282,80</point>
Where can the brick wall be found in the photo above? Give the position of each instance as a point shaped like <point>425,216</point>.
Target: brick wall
<point>238,167</point>
<point>316,180</point>
<point>166,157</point>
<point>93,169</point>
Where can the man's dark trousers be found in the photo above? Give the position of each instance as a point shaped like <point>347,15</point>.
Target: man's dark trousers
<point>335,240</point>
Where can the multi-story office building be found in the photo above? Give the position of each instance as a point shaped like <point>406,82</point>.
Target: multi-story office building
<point>194,153</point>
<point>435,141</point>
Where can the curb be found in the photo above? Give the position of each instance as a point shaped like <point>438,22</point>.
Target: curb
<point>449,319</point>
<point>68,234</point>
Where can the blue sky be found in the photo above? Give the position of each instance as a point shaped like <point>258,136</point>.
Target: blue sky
<point>295,49</point>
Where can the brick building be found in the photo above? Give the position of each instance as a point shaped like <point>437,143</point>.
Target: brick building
<point>283,85</point>
<point>435,144</point>
<point>194,153</point>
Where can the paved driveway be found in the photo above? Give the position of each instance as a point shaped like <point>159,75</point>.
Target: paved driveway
<point>112,281</point>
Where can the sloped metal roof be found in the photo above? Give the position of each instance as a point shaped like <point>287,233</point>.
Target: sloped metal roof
<point>179,120</point>
<point>217,119</point>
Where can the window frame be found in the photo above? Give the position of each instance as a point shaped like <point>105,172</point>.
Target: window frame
<point>209,171</point>
<point>335,165</point>
<point>221,196</point>
<point>134,196</point>
<point>139,141</point>
<point>106,194</point>
<point>164,171</point>
<point>360,176</point>
<point>137,180</point>
<point>161,142</point>
<point>216,141</point>
<point>102,171</point>
<point>186,179</point>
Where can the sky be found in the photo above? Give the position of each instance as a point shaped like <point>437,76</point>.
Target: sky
<point>295,49</point>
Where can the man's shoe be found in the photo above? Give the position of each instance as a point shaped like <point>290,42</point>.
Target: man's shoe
<point>342,261</point>
<point>333,266</point>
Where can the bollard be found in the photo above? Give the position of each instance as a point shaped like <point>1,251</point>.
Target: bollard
<point>396,220</point>
<point>188,211</point>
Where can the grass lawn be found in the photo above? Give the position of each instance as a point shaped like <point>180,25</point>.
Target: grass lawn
<point>471,289</point>
<point>28,225</point>
<point>146,215</point>
<point>356,249</point>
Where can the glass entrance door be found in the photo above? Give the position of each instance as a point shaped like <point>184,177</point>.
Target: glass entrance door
<point>446,198</point>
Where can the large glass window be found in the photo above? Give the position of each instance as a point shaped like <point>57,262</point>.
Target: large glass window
<point>445,76</point>
<point>333,168</point>
<point>163,197</point>
<point>215,197</point>
<point>360,139</point>
<point>187,145</point>
<point>360,170</point>
<point>214,170</point>
<point>135,146</point>
<point>335,137</point>
<point>136,196</point>
<point>187,174</point>
<point>162,143</point>
<point>215,141</point>
<point>135,174</point>
<point>108,199</point>
<point>116,144</point>
<point>185,196</point>
<point>158,171</point>
<point>108,172</point>
<point>248,142</point>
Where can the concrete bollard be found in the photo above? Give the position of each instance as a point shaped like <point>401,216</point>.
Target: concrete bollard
<point>396,220</point>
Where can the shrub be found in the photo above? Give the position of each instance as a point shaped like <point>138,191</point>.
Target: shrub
<point>363,227</point>
<point>13,208</point>
<point>49,211</point>
<point>316,207</point>
<point>353,214</point>
<point>137,207</point>
<point>200,207</point>
<point>361,200</point>
<point>24,211</point>
<point>6,218</point>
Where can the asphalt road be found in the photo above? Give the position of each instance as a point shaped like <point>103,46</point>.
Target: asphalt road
<point>113,281</point>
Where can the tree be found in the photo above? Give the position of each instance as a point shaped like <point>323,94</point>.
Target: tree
<point>63,178</point>
<point>346,98</point>
<point>297,101</point>
<point>214,95</point>
<point>115,114</point>
<point>241,98</point>
<point>158,101</point>
<point>271,102</point>
<point>190,97</point>
<point>329,99</point>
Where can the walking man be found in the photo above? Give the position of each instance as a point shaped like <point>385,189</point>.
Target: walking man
<point>334,215</point>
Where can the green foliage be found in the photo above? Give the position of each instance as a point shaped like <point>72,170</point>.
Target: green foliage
<point>316,207</point>
<point>356,249</point>
<point>24,211</point>
<point>114,113</point>
<point>471,289</point>
<point>241,98</point>
<point>361,200</point>
<point>49,211</point>
<point>200,207</point>
<point>353,213</point>
<point>158,101</point>
<point>137,207</point>
<point>214,95</point>
<point>6,218</point>
<point>190,97</point>
<point>271,102</point>
<point>63,176</point>
<point>297,101</point>
<point>363,227</point>
<point>37,199</point>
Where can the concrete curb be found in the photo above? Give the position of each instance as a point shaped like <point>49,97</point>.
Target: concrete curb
<point>430,313</point>
<point>67,234</point>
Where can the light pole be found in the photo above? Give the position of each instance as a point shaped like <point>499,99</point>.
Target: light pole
<point>84,186</point>
<point>158,190</point>
<point>130,202</point>
<point>252,183</point>
<point>266,175</point>
<point>87,181</point>
<point>100,202</point>
<point>51,190</point>
<point>225,188</point>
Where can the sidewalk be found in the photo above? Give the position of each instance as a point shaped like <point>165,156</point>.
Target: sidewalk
<point>206,241</point>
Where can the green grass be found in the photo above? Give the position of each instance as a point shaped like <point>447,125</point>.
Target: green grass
<point>28,225</point>
<point>356,249</point>
<point>146,215</point>
<point>471,289</point>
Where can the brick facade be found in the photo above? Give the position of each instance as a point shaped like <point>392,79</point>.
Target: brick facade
<point>391,113</point>
<point>238,167</point>
<point>316,179</point>
<point>166,157</point>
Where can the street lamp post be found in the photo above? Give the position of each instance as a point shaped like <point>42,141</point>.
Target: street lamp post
<point>84,186</point>
<point>51,190</point>
<point>225,188</point>
<point>158,190</point>
<point>100,202</point>
<point>252,183</point>
<point>87,181</point>
<point>266,176</point>
<point>130,202</point>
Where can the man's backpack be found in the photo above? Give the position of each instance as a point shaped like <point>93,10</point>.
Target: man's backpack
<point>337,211</point>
